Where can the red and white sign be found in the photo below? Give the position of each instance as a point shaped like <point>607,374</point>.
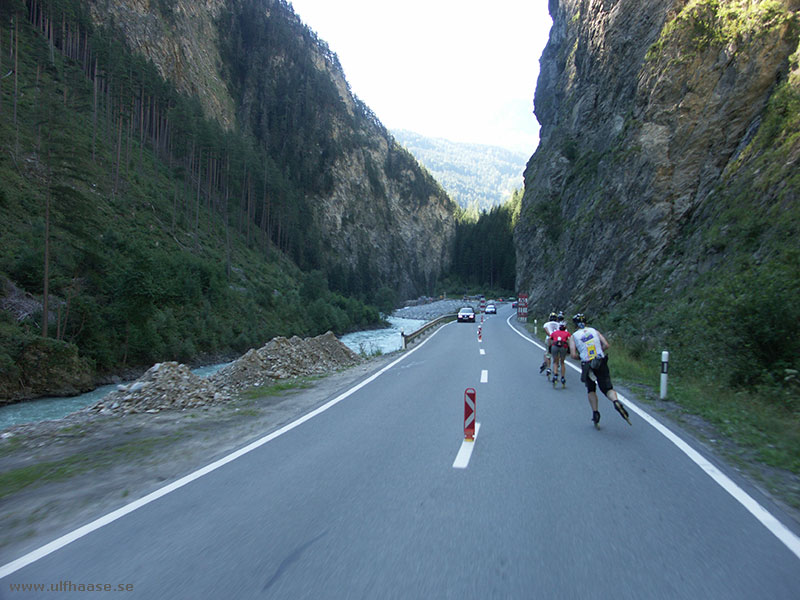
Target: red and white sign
<point>470,414</point>
<point>522,307</point>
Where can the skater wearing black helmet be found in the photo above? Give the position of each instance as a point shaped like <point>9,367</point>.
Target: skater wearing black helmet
<point>590,346</point>
<point>549,327</point>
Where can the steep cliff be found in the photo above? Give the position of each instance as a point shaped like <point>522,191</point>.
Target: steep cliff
<point>667,154</point>
<point>377,218</point>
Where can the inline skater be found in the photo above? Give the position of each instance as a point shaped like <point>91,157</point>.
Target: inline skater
<point>549,327</point>
<point>590,345</point>
<point>559,343</point>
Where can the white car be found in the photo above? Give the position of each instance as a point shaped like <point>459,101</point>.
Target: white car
<point>491,309</point>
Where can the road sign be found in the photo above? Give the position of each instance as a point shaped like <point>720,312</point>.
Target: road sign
<point>522,307</point>
<point>469,414</point>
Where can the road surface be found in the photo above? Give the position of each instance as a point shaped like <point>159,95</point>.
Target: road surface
<point>362,500</point>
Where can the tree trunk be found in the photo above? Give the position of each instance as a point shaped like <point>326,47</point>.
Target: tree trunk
<point>119,154</point>
<point>46,283</point>
<point>16,81</point>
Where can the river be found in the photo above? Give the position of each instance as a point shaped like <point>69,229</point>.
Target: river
<point>368,343</point>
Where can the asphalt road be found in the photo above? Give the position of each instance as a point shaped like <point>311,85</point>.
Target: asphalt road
<point>363,501</point>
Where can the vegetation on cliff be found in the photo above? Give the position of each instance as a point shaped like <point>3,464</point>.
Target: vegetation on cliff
<point>484,259</point>
<point>144,230</point>
<point>477,177</point>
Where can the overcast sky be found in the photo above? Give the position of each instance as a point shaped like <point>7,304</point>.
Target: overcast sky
<point>463,70</point>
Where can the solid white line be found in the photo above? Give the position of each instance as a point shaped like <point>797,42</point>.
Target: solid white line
<point>484,376</point>
<point>68,538</point>
<point>483,351</point>
<point>778,529</point>
<point>465,452</point>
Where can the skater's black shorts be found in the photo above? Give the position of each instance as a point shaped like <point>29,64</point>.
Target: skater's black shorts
<point>601,373</point>
<point>558,351</point>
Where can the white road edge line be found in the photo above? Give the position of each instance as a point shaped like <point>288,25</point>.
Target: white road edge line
<point>778,529</point>
<point>68,538</point>
<point>484,376</point>
<point>465,452</point>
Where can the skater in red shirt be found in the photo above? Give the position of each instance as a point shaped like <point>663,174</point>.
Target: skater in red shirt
<point>559,344</point>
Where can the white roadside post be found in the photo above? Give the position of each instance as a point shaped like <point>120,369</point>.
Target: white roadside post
<point>664,366</point>
<point>534,326</point>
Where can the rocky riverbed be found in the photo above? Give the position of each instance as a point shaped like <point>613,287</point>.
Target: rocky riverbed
<point>432,310</point>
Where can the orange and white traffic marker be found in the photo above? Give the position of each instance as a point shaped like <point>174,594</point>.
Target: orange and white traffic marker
<point>480,335</point>
<point>469,414</point>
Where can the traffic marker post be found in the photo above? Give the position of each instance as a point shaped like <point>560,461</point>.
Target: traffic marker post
<point>664,368</point>
<point>470,414</point>
<point>480,335</point>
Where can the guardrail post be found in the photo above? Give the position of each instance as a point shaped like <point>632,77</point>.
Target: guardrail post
<point>664,368</point>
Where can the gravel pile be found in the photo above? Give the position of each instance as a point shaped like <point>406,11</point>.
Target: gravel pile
<point>285,358</point>
<point>172,386</point>
<point>165,386</point>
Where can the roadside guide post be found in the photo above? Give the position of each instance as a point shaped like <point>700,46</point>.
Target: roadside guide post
<point>664,367</point>
<point>469,414</point>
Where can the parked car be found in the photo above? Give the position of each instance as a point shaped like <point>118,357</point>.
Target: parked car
<point>466,315</point>
<point>491,309</point>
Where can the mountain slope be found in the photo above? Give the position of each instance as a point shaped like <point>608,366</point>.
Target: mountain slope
<point>473,174</point>
<point>192,178</point>
<point>664,187</point>
<point>255,66</point>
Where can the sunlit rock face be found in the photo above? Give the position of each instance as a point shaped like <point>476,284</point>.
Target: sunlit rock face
<point>646,108</point>
<point>381,216</point>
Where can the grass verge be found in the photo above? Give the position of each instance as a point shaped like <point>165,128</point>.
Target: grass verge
<point>45,472</point>
<point>278,388</point>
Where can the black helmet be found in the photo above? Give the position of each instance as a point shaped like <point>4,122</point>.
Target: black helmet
<point>562,325</point>
<point>580,320</point>
<point>553,316</point>
<point>560,315</point>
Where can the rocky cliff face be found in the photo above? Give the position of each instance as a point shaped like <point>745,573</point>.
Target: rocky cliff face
<point>648,109</point>
<point>378,213</point>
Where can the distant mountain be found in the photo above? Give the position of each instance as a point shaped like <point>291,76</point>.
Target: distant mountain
<point>472,174</point>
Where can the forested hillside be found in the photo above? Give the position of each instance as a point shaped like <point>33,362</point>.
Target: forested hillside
<point>484,258</point>
<point>148,218</point>
<point>477,177</point>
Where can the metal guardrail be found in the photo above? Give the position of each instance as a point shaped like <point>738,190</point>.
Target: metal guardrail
<point>409,338</point>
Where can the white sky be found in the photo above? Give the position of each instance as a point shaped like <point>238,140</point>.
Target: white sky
<point>463,70</point>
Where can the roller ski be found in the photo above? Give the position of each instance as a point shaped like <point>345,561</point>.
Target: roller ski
<point>555,380</point>
<point>622,412</point>
<point>563,382</point>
